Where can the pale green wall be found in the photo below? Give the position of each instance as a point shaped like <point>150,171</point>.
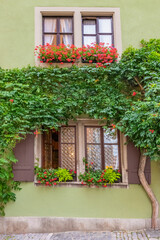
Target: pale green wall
<point>85,202</point>
<point>139,19</point>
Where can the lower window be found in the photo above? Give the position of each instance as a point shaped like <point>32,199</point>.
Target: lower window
<point>102,147</point>
<point>63,148</point>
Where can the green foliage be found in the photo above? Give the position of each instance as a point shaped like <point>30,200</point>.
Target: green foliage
<point>96,177</point>
<point>63,175</point>
<point>141,122</point>
<point>44,98</point>
<point>126,93</point>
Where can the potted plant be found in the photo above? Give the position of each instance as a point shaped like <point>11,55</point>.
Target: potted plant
<point>99,54</point>
<point>94,177</point>
<point>59,54</point>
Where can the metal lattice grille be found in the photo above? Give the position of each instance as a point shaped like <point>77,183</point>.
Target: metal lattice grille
<point>94,155</point>
<point>68,155</point>
<point>93,135</point>
<point>110,136</point>
<point>67,135</point>
<point>111,156</point>
<point>102,147</point>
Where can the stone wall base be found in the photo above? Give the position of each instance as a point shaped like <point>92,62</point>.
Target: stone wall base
<point>16,225</point>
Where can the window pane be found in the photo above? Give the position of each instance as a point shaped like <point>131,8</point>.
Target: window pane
<point>68,156</point>
<point>66,39</point>
<point>111,156</point>
<point>50,25</point>
<point>67,135</point>
<point>94,155</point>
<point>93,135</point>
<point>66,25</point>
<point>89,39</point>
<point>105,26</point>
<point>107,39</point>
<point>89,26</point>
<point>47,150</point>
<point>51,39</point>
<point>110,137</point>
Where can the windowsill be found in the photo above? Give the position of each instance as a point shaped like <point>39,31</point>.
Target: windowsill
<point>64,65</point>
<point>78,184</point>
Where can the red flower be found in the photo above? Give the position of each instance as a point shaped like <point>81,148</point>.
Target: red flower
<point>11,100</point>
<point>45,172</point>
<point>68,59</point>
<point>55,183</point>
<point>151,130</point>
<point>91,162</point>
<point>113,125</point>
<point>134,94</point>
<point>36,132</point>
<point>74,171</point>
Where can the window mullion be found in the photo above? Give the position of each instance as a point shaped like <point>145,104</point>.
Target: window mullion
<point>97,30</point>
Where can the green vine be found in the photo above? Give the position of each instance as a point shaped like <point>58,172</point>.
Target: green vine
<point>125,94</point>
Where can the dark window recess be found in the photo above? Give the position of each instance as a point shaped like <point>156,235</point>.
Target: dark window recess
<point>58,30</point>
<point>59,148</point>
<point>23,170</point>
<point>102,147</point>
<point>97,30</point>
<point>133,155</point>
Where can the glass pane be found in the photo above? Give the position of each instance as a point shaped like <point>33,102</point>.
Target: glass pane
<point>107,39</point>
<point>94,155</point>
<point>68,156</point>
<point>51,39</point>
<point>105,26</point>
<point>93,135</point>
<point>66,39</point>
<point>50,25</point>
<point>111,156</point>
<point>66,25</point>
<point>89,39</point>
<point>110,136</point>
<point>89,27</point>
<point>67,135</point>
<point>47,150</point>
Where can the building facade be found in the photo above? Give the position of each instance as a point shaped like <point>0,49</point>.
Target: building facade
<point>125,205</point>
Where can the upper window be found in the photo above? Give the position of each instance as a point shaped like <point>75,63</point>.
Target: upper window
<point>97,29</point>
<point>58,30</point>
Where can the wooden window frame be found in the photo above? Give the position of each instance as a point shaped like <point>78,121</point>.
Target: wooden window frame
<point>97,34</point>
<point>102,144</point>
<point>58,33</point>
<point>59,147</point>
<point>80,148</point>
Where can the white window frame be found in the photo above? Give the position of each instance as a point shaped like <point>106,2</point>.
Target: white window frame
<point>78,13</point>
<point>80,148</point>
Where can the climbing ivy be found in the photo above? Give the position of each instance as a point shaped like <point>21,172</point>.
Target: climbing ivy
<point>125,94</point>
<point>44,98</point>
